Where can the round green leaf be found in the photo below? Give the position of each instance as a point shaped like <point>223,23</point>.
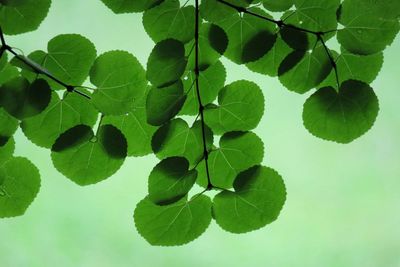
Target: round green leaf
<point>120,79</point>
<point>177,139</point>
<point>175,224</point>
<point>257,201</point>
<point>169,20</point>
<point>341,116</point>
<point>164,103</point>
<point>241,106</point>
<point>24,17</point>
<point>277,6</point>
<point>86,158</point>
<point>23,99</point>
<point>59,116</point>
<point>170,180</point>
<point>166,63</point>
<point>237,152</point>
<point>19,185</point>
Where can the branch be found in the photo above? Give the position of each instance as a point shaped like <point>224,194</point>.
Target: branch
<point>36,68</point>
<point>201,107</point>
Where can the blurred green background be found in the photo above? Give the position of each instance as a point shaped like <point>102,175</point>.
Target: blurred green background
<point>343,206</point>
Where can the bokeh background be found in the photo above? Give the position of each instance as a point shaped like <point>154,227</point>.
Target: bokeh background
<point>343,206</point>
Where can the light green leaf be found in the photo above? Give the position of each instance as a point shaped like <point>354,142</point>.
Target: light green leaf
<point>341,116</point>
<point>24,17</point>
<point>19,185</point>
<point>166,63</point>
<point>23,99</point>
<point>175,224</point>
<point>87,158</point>
<point>257,201</point>
<point>170,20</point>
<point>211,80</point>
<point>59,116</point>
<point>237,152</point>
<point>177,139</point>
<point>7,150</point>
<point>241,106</point>
<point>163,104</point>
<point>170,180</point>
<point>120,79</point>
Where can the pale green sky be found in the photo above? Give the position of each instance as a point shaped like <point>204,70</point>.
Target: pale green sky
<point>343,200</point>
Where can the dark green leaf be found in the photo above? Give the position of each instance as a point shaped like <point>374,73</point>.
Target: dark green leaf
<point>120,79</point>
<point>241,106</point>
<point>8,126</point>
<point>7,150</point>
<point>341,116</point>
<point>19,185</point>
<point>278,5</point>
<point>166,63</point>
<point>257,201</point>
<point>86,158</point>
<point>174,224</point>
<point>164,103</point>
<point>170,180</point>
<point>22,99</point>
<point>24,17</point>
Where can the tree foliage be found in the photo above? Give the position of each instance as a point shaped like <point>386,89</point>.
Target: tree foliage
<point>94,111</point>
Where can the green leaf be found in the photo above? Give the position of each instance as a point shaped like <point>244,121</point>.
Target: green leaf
<point>59,116</point>
<point>216,12</point>
<point>277,6</point>
<point>166,63</point>
<point>6,151</point>
<point>8,126</point>
<point>300,72</point>
<point>175,224</point>
<point>87,158</point>
<point>348,67</point>
<point>250,37</point>
<point>237,152</point>
<point>369,25</point>
<point>213,43</point>
<point>129,6</point>
<point>270,62</point>
<point>241,106</point>
<point>341,116</point>
<point>24,17</point>
<point>257,201</point>
<point>170,180</point>
<point>135,128</point>
<point>169,20</point>
<point>120,79</point>
<point>68,58</point>
<point>8,73</point>
<point>19,185</point>
<point>164,103</point>
<point>177,139</point>
<point>211,81</point>
<point>23,99</point>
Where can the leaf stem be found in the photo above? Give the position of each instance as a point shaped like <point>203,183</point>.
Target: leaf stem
<point>6,47</point>
<point>201,107</point>
<point>331,59</point>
